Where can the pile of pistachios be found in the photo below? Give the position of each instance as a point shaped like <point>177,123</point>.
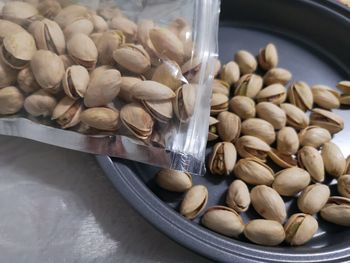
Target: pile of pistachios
<point>96,71</point>
<point>273,149</point>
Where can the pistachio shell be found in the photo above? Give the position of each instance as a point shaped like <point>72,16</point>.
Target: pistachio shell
<point>191,69</point>
<point>344,86</point>
<point>40,103</point>
<point>282,160</point>
<point>314,136</point>
<point>185,102</point>
<point>300,228</point>
<point>344,99</point>
<point>75,81</point>
<point>290,181</point>
<point>212,133</point>
<point>151,90</point>
<point>71,13</point>
<point>344,185</point>
<point>169,74</point>
<point>243,106</point>
<point>219,103</point>
<point>67,112</point>
<point>8,28</point>
<point>275,93</point>
<point>249,85</point>
<point>300,94</point>
<point>67,61</point>
<point>161,110</point>
<point>49,8</point>
<point>337,210</point>
<point>250,146</point>
<point>7,74</point>
<point>311,160</point>
<point>11,100</point>
<point>83,26</point>
<point>127,26</point>
<point>260,129</point>
<point>106,44</point>
<point>295,116</point>
<point>222,159</point>
<point>126,86</point>
<point>272,114</point>
<point>19,12</point>
<point>237,196</point>
<point>277,75</point>
<point>26,81</point>
<point>100,118</point>
<point>313,198</point>
<point>333,159</point>
<point>220,86</point>
<point>347,166</point>
<point>82,50</point>
<point>174,181</point>
<point>264,232</point>
<point>194,201</point>
<point>326,97</point>
<point>268,57</point>
<point>327,119</point>
<point>230,73</point>
<point>246,62</point>
<point>99,24</point>
<point>287,141</point>
<point>229,126</point>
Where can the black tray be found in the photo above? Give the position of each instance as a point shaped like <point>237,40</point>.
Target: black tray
<point>313,39</point>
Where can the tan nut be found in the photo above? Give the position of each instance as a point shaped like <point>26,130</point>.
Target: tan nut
<point>11,100</point>
<point>222,159</point>
<point>40,103</point>
<point>75,81</point>
<point>194,201</point>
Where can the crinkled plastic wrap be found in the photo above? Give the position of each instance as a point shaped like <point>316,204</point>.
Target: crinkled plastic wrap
<point>135,94</point>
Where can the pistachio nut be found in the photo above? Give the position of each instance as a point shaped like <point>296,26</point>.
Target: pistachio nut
<point>26,81</point>
<point>345,99</point>
<point>295,116</point>
<point>125,87</point>
<point>291,181</point>
<point>300,94</point>
<point>219,103</point>
<point>194,202</point>
<point>75,81</point>
<point>243,106</point>
<point>253,171</point>
<point>222,159</point>
<point>71,13</point>
<point>40,103</point>
<point>287,141</point>
<point>277,75</point>
<point>212,133</point>
<point>272,114</point>
<point>347,166</point>
<point>300,228</point>
<point>106,44</point>
<point>344,86</point>
<point>18,49</point>
<point>67,61</point>
<point>337,210</point>
<point>21,13</point>
<point>246,62</point>
<point>185,101</point>
<point>237,196</point>
<point>260,129</point>
<point>275,93</point>
<point>264,232</point>
<point>101,118</point>
<point>49,8</point>
<point>229,126</point>
<point>230,73</point>
<point>47,68</point>
<point>326,97</point>
<point>143,28</point>
<point>191,69</point>
<point>249,85</point>
<point>174,181</point>
<point>8,28</point>
<point>344,185</point>
<point>127,26</point>
<point>151,90</point>
<point>282,160</point>
<point>327,119</point>
<point>250,146</point>
<point>183,30</point>
<point>314,136</point>
<point>161,110</point>
<point>103,87</point>
<point>311,160</point>
<point>169,73</point>
<point>8,75</point>
<point>220,86</point>
<point>83,26</point>
<point>82,50</point>
<point>268,57</point>
<point>223,220</point>
<point>313,198</point>
<point>333,159</point>
<point>137,120</point>
<point>99,24</point>
<point>109,11</point>
<point>11,100</point>
<point>67,112</point>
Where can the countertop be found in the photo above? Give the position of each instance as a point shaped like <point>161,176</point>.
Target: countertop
<point>56,205</point>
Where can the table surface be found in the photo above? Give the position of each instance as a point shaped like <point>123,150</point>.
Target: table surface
<point>56,205</point>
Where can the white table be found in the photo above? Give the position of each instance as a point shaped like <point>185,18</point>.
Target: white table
<point>56,205</point>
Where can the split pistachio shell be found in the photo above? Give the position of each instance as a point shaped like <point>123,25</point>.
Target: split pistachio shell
<point>268,57</point>
<point>295,116</point>
<point>126,85</point>
<point>243,106</point>
<point>327,119</point>
<point>337,210</point>
<point>127,26</point>
<point>26,81</point>
<point>287,141</point>
<point>212,133</point>
<point>300,94</point>
<point>7,74</point>
<point>229,126</point>
<point>161,110</point>
<point>282,160</point>
<point>268,203</point>
<point>237,196</point>
<point>194,201</point>
<point>174,181</point>
<point>67,112</point>
<point>101,118</point>
<point>169,74</point>
<point>333,159</point>
<point>272,114</point>
<point>313,198</point>
<point>75,81</point>
<point>326,97</point>
<point>99,24</point>
<point>222,159</point>
<point>345,99</point>
<point>277,75</point>
<point>275,93</point>
<point>8,28</point>
<point>106,44</point>
<point>185,101</point>
<point>253,171</point>
<point>11,100</point>
<point>260,129</point>
<point>49,8</point>
<point>219,103</point>
<point>223,220</point>
<point>21,13</point>
<point>83,26</point>
<point>291,181</point>
<point>220,86</point>
<point>191,69</point>
<point>151,90</point>
<point>40,103</point>
<point>344,185</point>
<point>250,146</point>
<point>230,73</point>
<point>249,85</point>
<point>246,62</point>
<point>311,160</point>
<point>314,136</point>
<point>264,232</point>
<point>71,13</point>
<point>344,86</point>
<point>300,228</point>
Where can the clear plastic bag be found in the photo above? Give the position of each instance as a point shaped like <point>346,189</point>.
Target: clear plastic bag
<point>129,79</point>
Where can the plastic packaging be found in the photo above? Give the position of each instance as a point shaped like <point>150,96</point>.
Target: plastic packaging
<point>129,79</point>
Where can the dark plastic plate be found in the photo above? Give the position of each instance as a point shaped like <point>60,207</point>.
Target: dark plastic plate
<point>313,39</point>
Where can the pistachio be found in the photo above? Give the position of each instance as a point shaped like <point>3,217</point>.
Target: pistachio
<point>250,146</point>
<point>143,28</point>
<point>128,27</point>
<point>182,29</point>
<point>238,197</point>
<point>49,8</point>
<point>272,114</point>
<point>8,28</point>
<point>333,159</point>
<point>275,93</point>
<point>185,101</point>
<point>26,81</point>
<point>174,181</point>
<point>109,11</point>
<point>11,100</point>
<point>345,99</point>
<point>223,220</point>
<point>7,74</point>
<point>295,116</point>
<point>230,73</point>
<point>264,232</point>
<point>326,97</point>
<point>337,210</point>
<point>344,185</point>
<point>67,112</point>
<point>67,61</point>
<point>191,69</point>
<point>253,171</point>
<point>125,88</point>
<point>220,86</point>
<point>246,62</point>
<point>71,13</point>
<point>313,198</point>
<point>344,86</point>
<point>290,181</point>
<point>249,85</point>
<point>161,110</point>
<point>287,141</point>
<point>327,119</point>
<point>311,160</point>
<point>300,228</point>
<point>169,73</point>
<point>314,136</point>
<point>268,57</point>
<point>219,103</point>
<point>99,24</point>
<point>75,81</point>
<point>243,106</point>
<point>21,13</point>
<point>106,44</point>
<point>282,160</point>
<point>300,94</point>
<point>277,75</point>
<point>83,26</point>
<point>212,133</point>
<point>347,166</point>
<point>222,159</point>
<point>194,201</point>
<point>260,129</point>
<point>229,126</point>
<point>101,118</point>
<point>40,103</point>
<point>151,90</point>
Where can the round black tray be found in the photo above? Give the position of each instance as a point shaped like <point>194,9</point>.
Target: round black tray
<point>313,39</point>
